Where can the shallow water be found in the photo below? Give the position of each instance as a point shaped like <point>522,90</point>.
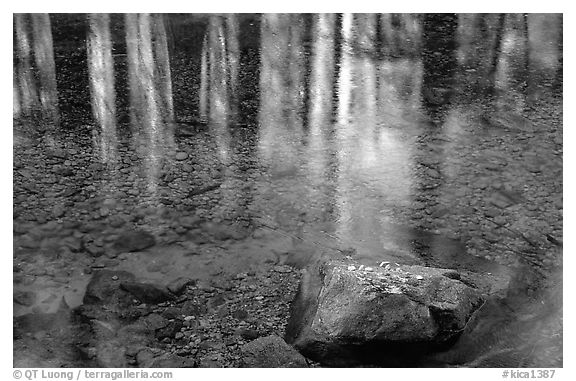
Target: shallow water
<point>328,146</point>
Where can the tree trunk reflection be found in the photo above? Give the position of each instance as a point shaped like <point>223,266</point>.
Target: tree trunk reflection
<point>101,70</point>
<point>35,72</point>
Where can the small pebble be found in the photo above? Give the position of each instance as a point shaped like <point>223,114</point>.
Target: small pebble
<point>181,156</point>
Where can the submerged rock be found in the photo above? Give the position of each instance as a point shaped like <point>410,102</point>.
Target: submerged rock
<point>178,286</point>
<point>170,360</point>
<point>104,288</point>
<point>146,292</point>
<point>347,314</point>
<point>271,352</point>
<point>111,354</point>
<point>134,240</point>
<point>223,232</point>
<point>24,298</point>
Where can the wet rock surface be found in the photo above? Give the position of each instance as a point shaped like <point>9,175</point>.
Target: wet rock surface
<point>347,313</point>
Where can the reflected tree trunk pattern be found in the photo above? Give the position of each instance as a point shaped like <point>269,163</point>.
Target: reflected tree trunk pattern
<point>379,37</point>
<point>344,73</point>
<point>281,88</point>
<point>337,59</point>
<point>322,78</point>
<point>282,75</point>
<point>151,113</point>
<point>220,60</point>
<point>306,49</point>
<point>233,56</point>
<point>410,34</point>
<point>498,45</point>
<point>28,94</point>
<point>559,77</point>
<point>16,109</point>
<point>364,148</point>
<point>164,81</point>
<point>296,75</point>
<point>272,90</point>
<point>218,106</point>
<point>365,90</point>
<point>477,46</point>
<point>136,92</point>
<point>150,94</point>
<point>250,63</point>
<point>397,35</point>
<point>149,73</point>
<point>343,133</point>
<point>366,27</point>
<point>146,78</point>
<point>35,72</point>
<point>44,58</point>
<point>388,45</point>
<point>526,83</point>
<point>320,99</point>
<point>170,35</point>
<point>218,94</point>
<point>101,71</point>
<point>439,62</point>
<point>204,84</point>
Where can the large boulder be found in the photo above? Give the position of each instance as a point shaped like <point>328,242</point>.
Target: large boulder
<point>347,314</point>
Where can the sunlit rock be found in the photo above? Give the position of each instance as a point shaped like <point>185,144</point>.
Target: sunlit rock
<point>346,313</point>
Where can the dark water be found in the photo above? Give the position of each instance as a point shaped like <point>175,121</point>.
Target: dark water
<point>390,138</point>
